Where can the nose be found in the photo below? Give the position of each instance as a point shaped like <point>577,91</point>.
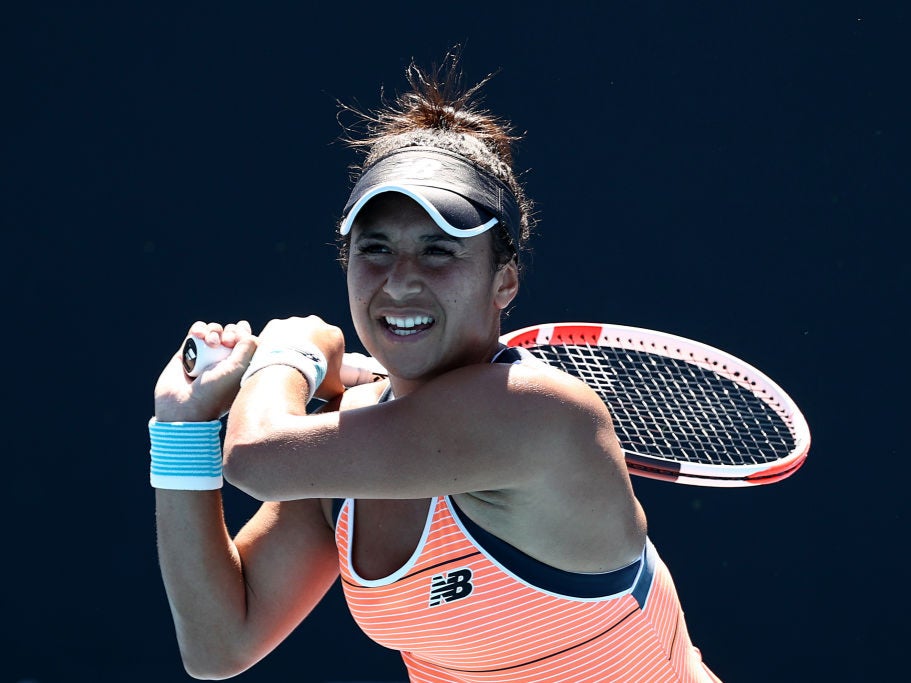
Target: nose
<point>403,279</point>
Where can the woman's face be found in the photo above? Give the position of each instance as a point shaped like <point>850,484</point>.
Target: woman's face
<point>423,302</point>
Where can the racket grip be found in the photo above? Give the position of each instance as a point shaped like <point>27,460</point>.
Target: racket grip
<point>197,356</point>
<point>360,369</point>
<point>356,367</point>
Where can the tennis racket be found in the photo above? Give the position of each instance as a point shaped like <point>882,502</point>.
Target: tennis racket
<point>683,411</point>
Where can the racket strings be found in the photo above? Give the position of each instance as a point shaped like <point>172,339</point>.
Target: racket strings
<point>674,410</point>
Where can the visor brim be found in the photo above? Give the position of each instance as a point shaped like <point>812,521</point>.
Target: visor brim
<point>454,214</point>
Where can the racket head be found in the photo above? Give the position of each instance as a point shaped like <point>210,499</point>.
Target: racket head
<point>683,411</point>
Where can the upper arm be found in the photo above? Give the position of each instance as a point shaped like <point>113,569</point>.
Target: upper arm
<point>483,427</point>
<point>289,561</point>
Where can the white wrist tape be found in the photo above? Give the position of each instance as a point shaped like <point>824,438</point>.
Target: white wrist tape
<point>307,359</point>
<point>186,456</point>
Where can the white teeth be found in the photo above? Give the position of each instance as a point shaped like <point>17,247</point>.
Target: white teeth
<point>406,325</point>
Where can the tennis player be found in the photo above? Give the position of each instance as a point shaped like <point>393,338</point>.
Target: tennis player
<point>476,505</point>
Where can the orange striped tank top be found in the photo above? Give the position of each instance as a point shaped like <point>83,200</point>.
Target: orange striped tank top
<point>468,608</point>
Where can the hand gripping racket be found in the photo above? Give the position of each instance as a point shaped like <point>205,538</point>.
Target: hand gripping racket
<point>683,411</point>
<point>357,368</point>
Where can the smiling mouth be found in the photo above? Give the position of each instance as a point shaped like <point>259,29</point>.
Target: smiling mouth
<point>407,325</point>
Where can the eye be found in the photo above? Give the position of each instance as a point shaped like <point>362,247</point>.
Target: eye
<point>438,250</point>
<point>371,248</point>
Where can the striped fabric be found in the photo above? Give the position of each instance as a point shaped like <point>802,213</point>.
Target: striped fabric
<point>458,616</point>
<point>185,455</point>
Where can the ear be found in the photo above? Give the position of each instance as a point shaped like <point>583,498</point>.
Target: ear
<point>506,282</point>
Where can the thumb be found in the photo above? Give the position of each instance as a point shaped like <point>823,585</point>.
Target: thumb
<point>238,360</point>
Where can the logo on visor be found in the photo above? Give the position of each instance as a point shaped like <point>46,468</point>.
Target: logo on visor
<point>421,169</point>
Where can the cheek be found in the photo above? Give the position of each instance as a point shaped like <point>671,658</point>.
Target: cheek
<point>473,291</point>
<point>357,280</point>
<point>356,302</point>
<point>357,298</point>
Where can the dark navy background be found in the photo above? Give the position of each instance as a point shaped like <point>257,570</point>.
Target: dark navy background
<point>729,172</point>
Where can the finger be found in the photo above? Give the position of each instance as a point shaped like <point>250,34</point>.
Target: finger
<point>199,329</point>
<point>244,349</point>
<point>235,363</point>
<point>209,332</point>
<point>213,334</point>
<point>231,335</point>
<point>234,332</point>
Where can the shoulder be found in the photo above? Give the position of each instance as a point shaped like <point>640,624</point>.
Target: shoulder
<point>574,506</point>
<point>535,385</point>
<point>528,408</point>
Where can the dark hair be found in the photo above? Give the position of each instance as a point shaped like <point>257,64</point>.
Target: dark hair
<point>440,112</point>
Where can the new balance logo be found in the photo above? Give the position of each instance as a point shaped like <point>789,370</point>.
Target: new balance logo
<point>453,585</point>
<point>421,169</point>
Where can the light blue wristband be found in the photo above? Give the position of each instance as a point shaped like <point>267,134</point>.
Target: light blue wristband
<point>186,456</point>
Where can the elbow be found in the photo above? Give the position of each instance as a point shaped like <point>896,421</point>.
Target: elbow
<point>240,472</point>
<point>207,674</point>
<point>217,659</point>
<point>208,668</point>
<point>211,652</point>
<point>239,452</point>
<point>255,454</point>
<point>246,461</point>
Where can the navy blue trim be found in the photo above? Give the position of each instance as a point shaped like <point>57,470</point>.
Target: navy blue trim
<point>512,354</point>
<point>644,584</point>
<point>543,576</point>
<point>507,354</point>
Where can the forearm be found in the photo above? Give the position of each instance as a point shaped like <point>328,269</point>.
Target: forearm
<point>229,607</point>
<point>203,577</point>
<point>257,427</point>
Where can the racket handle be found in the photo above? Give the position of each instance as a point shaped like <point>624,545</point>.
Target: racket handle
<point>356,367</point>
<point>360,369</point>
<point>197,356</point>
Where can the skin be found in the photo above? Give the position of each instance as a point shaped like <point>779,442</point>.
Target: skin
<point>402,264</point>
<point>527,452</point>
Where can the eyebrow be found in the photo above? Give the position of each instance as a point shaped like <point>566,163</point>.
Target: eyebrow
<point>428,238</point>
